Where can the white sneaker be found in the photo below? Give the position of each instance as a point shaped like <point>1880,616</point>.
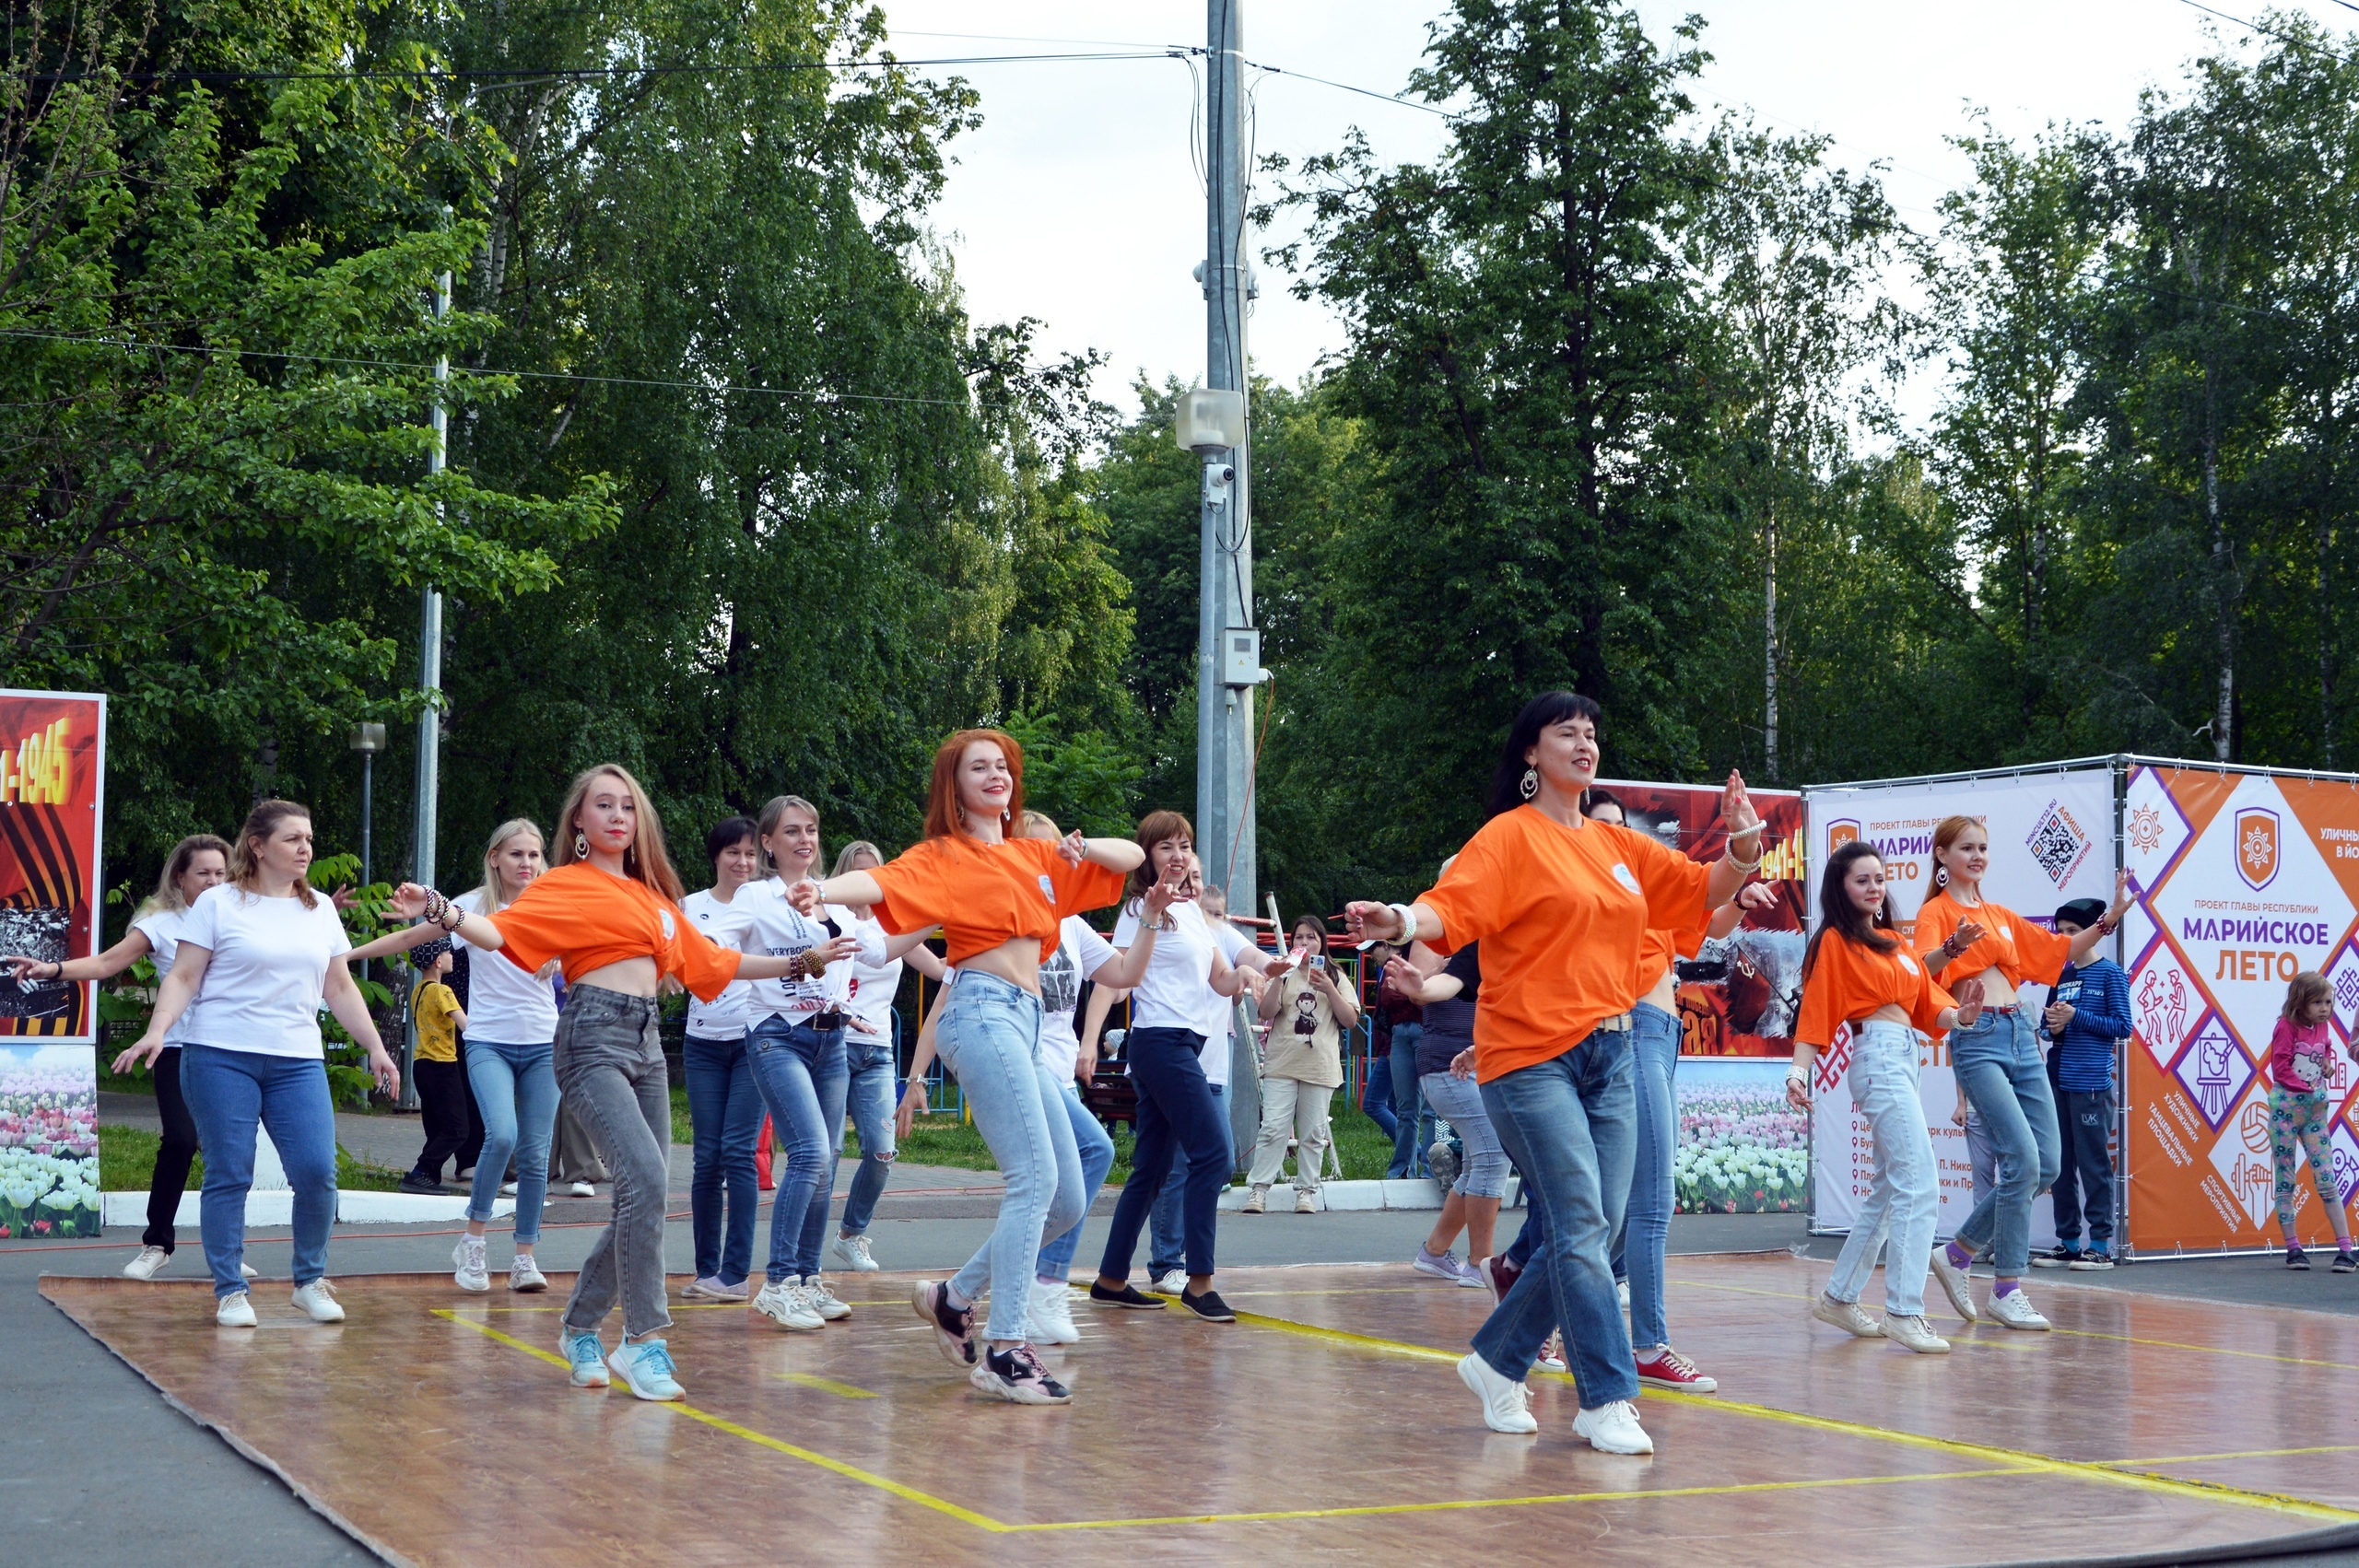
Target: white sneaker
<point>1507,1404</point>
<point>1954,1284</point>
<point>524,1275</point>
<point>1305,1203</point>
<point>467,1264</point>
<point>2015,1310</point>
<point>1622,1294</point>
<point>318,1301</point>
<point>1257,1201</point>
<point>1916,1334</point>
<point>854,1253</point>
<point>823,1301</point>
<point>1614,1429</point>
<point>1053,1314</point>
<point>248,1271</point>
<point>583,1189</point>
<point>1848,1316</point>
<point>645,1366</point>
<point>783,1303</point>
<point>149,1264</point>
<point>507,1189</point>
<point>1171,1284</point>
<point>236,1311</point>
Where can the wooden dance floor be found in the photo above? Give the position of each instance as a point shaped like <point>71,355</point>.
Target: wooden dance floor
<point>439,1429</point>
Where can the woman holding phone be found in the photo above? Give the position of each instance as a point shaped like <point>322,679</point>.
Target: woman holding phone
<point>1309,1012</point>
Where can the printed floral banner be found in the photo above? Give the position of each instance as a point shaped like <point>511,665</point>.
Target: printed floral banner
<point>49,1142</point>
<point>1742,1149</point>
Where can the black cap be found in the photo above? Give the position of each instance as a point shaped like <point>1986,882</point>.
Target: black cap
<point>2083,912</point>
<point>422,956</point>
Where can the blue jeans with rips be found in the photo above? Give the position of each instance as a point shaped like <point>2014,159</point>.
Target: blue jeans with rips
<point>1569,1123</point>
<point>725,1109</point>
<point>230,1092</point>
<point>2000,1072</point>
<point>801,1073</point>
<point>870,1099</point>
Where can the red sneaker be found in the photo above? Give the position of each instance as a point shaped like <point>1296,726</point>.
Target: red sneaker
<point>1499,1276</point>
<point>1666,1368</point>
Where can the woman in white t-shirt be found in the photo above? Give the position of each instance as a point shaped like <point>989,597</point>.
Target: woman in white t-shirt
<point>724,1107</point>
<point>869,1058</point>
<point>258,957</point>
<point>196,863</point>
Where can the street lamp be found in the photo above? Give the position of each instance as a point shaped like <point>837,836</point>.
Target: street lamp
<point>367,739</point>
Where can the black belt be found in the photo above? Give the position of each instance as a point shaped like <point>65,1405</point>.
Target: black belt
<point>831,1019</point>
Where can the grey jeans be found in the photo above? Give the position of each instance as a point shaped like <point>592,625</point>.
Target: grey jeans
<point>610,1066</point>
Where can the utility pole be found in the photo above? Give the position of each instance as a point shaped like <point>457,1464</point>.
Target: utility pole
<point>1228,647</point>
<point>429,685</point>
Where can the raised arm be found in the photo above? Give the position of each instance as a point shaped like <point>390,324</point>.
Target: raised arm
<point>852,887</point>
<point>98,967</point>
<point>1730,915</point>
<point>400,940</point>
<point>1395,923</point>
<point>2088,937</point>
<point>412,902</point>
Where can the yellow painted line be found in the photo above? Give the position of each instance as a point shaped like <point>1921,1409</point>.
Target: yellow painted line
<point>1988,1453</point>
<point>2247,1454</point>
<point>826,1385</point>
<point>2075,1333</point>
<point>837,1467</point>
<point>1643,1495</point>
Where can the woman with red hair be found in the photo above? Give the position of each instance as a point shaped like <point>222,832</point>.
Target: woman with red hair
<point>999,899</point>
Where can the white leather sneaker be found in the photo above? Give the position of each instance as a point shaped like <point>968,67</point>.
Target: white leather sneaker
<point>524,1275</point>
<point>1507,1404</point>
<point>467,1264</point>
<point>318,1302</point>
<point>235,1311</point>
<point>823,1301</point>
<point>1916,1334</point>
<point>1954,1284</point>
<point>1614,1429</point>
<point>783,1303</point>
<point>1847,1315</point>
<point>149,1264</point>
<point>1053,1314</point>
<point>854,1253</point>
<point>2015,1310</point>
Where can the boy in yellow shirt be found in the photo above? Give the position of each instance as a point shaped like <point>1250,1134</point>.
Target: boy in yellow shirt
<point>441,1093</point>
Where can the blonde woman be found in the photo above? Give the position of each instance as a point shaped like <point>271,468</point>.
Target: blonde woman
<point>609,911</point>
<point>196,863</point>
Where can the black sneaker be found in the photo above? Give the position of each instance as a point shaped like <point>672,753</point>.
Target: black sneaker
<point>1208,1307</point>
<point>417,1181</point>
<point>2344,1263</point>
<point>2296,1258</point>
<point>1130,1295</point>
<point>1018,1377</point>
<point>2055,1257</point>
<point>954,1330</point>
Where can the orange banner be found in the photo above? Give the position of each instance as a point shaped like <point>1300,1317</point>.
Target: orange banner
<point>51,793</point>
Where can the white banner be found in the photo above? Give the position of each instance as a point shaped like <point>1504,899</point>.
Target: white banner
<point>2051,841</point>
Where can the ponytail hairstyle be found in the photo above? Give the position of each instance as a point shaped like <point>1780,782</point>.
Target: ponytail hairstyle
<point>490,894</point>
<point>245,866</point>
<point>1944,837</point>
<point>1154,829</point>
<point>1548,707</point>
<point>644,861</point>
<point>2309,986</point>
<point>168,896</point>
<point>1836,912</point>
<point>774,814</point>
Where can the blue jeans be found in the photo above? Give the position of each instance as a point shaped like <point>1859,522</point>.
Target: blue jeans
<point>2000,1072</point>
<point>1905,1194</point>
<point>871,1099</point>
<point>725,1112</point>
<point>1568,1125</point>
<point>801,1073</point>
<point>228,1092</point>
<point>516,1092</point>
<point>1484,1171</point>
<point>1178,1114</point>
<point>1167,1223</point>
<point>1375,1094</point>
<point>1645,1236</point>
<point>1096,1150</point>
<point>1412,1119</point>
<point>990,1037</point>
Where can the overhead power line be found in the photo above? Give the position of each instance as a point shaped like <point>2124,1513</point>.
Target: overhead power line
<point>2267,31</point>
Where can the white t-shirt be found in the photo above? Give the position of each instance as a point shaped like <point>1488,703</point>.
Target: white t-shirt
<point>776,927</point>
<point>162,928</point>
<point>262,991</point>
<point>726,1015</point>
<point>1081,953</point>
<point>1178,974</point>
<point>505,1004</point>
<point>1220,1012</point>
<point>873,986</point>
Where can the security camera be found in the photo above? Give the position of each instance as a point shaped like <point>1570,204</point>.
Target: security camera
<point>1225,475</point>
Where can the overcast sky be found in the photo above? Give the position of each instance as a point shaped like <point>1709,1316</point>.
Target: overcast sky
<point>1078,202</point>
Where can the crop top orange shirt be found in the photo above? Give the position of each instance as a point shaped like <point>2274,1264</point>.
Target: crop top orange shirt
<point>1847,981</point>
<point>1657,950</point>
<point>983,894</point>
<point>592,919</point>
<point>2009,943</point>
<point>1561,914</point>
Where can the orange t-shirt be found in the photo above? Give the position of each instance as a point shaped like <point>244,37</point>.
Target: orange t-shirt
<point>591,918</point>
<point>982,894</point>
<point>1561,914</point>
<point>1657,949</point>
<point>1848,981</point>
<point>2009,943</point>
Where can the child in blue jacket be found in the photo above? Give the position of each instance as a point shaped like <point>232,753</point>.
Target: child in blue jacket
<point>2086,1019</point>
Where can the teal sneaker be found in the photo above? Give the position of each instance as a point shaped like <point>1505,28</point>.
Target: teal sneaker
<point>586,1356</point>
<point>647,1368</point>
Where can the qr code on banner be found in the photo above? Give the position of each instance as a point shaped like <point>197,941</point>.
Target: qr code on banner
<point>2058,844</point>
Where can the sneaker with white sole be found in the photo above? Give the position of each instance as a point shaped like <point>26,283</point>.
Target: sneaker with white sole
<point>854,1253</point>
<point>507,1189</point>
<point>1622,1294</point>
<point>1052,1312</point>
<point>1441,1265</point>
<point>2091,1261</point>
<point>583,1189</point>
<point>149,1264</point>
<point>467,1264</point>
<point>585,1358</point>
<point>2015,1310</point>
<point>710,1288</point>
<point>524,1276</point>
<point>235,1310</point>
<point>1306,1202</point>
<point>1017,1377</point>
<point>1507,1403</point>
<point>783,1302</point>
<point>1666,1368</point>
<point>1955,1285</point>
<point>1613,1428</point>
<point>823,1301</point>
<point>1257,1201</point>
<point>646,1368</point>
<point>1848,1316</point>
<point>317,1301</point>
<point>954,1327</point>
<point>248,1271</point>
<point>1172,1283</point>
<point>1552,1354</point>
<point>1914,1333</point>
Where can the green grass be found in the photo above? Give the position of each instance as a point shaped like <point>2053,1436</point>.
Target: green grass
<point>127,1162</point>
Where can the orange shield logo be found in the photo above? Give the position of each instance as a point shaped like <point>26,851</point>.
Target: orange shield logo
<point>1841,833</point>
<point>2257,841</point>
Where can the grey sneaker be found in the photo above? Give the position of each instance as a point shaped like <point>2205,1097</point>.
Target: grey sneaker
<point>1915,1333</point>
<point>1846,1315</point>
<point>2015,1310</point>
<point>1441,1266</point>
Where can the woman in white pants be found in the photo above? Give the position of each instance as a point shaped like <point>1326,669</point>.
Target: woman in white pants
<point>1302,1066</point>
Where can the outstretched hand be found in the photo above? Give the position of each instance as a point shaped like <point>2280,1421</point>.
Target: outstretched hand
<point>1755,896</point>
<point>407,904</point>
<point>803,896</point>
<point>1370,921</point>
<point>1736,808</point>
<point>1969,1002</point>
<point>1160,898</point>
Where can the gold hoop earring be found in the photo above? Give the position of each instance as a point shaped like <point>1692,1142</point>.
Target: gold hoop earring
<point>580,844</point>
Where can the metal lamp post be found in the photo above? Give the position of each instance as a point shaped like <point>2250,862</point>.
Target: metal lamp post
<point>367,739</point>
